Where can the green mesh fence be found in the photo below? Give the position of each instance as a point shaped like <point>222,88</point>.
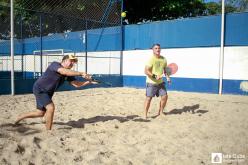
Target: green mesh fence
<point>46,30</point>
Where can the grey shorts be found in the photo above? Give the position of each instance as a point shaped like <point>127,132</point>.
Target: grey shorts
<point>155,90</point>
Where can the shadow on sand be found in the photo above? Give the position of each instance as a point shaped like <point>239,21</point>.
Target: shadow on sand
<point>20,128</point>
<point>81,122</point>
<point>191,109</point>
<point>194,109</point>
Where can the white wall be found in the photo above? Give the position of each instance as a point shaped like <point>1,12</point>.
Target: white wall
<point>193,62</point>
<point>107,62</point>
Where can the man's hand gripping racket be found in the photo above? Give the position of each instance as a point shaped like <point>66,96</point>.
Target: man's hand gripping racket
<point>171,69</point>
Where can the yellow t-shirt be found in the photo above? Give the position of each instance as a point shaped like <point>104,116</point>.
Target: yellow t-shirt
<point>157,65</point>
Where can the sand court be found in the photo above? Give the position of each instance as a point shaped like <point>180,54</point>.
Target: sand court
<point>107,126</point>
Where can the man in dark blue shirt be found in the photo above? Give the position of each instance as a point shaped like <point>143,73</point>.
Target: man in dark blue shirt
<point>48,83</point>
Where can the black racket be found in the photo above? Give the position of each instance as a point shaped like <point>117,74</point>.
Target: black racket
<point>97,78</point>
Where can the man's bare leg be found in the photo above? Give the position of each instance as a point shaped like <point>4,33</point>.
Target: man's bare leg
<point>49,115</point>
<point>162,104</point>
<point>33,114</point>
<point>147,105</point>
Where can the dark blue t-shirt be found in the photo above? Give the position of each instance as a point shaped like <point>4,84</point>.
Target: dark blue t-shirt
<point>52,79</point>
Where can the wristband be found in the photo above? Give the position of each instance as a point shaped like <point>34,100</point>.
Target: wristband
<point>154,76</point>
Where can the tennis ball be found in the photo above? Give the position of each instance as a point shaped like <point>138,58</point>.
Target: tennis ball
<point>123,14</point>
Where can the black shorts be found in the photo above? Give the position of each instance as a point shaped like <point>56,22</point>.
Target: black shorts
<point>42,98</point>
<point>155,89</point>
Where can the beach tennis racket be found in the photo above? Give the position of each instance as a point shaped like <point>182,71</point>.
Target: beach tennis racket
<point>171,69</point>
<point>96,78</point>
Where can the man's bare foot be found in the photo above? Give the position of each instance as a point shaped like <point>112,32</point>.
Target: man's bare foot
<point>49,133</point>
<point>161,114</point>
<point>43,119</point>
<point>155,116</point>
<point>17,121</point>
<point>145,117</point>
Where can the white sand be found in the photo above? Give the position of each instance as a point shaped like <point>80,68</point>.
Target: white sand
<point>106,126</point>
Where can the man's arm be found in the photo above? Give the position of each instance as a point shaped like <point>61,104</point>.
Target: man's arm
<point>167,76</point>
<point>78,84</point>
<point>148,71</point>
<point>68,72</point>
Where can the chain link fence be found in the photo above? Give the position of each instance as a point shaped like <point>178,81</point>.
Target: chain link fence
<point>45,32</point>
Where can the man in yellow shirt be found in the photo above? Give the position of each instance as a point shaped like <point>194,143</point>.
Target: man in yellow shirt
<point>155,86</point>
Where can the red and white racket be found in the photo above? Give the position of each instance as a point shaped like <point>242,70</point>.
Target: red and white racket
<point>171,68</point>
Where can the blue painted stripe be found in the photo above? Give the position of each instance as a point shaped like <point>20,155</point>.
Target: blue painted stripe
<point>188,33</point>
<point>197,32</point>
<point>194,85</point>
<point>134,81</point>
<point>23,86</point>
<point>190,85</point>
<point>104,39</point>
<point>233,87</point>
<point>178,84</point>
<point>236,29</point>
<point>107,39</point>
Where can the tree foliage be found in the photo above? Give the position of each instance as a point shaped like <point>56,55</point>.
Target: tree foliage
<point>60,13</point>
<point>57,16</point>
<point>142,11</point>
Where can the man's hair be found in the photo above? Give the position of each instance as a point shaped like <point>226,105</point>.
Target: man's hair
<point>157,44</point>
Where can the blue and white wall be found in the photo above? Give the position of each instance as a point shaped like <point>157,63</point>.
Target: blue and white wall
<point>194,44</point>
<point>103,52</point>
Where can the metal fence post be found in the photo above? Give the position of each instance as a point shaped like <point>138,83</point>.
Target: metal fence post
<point>41,45</point>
